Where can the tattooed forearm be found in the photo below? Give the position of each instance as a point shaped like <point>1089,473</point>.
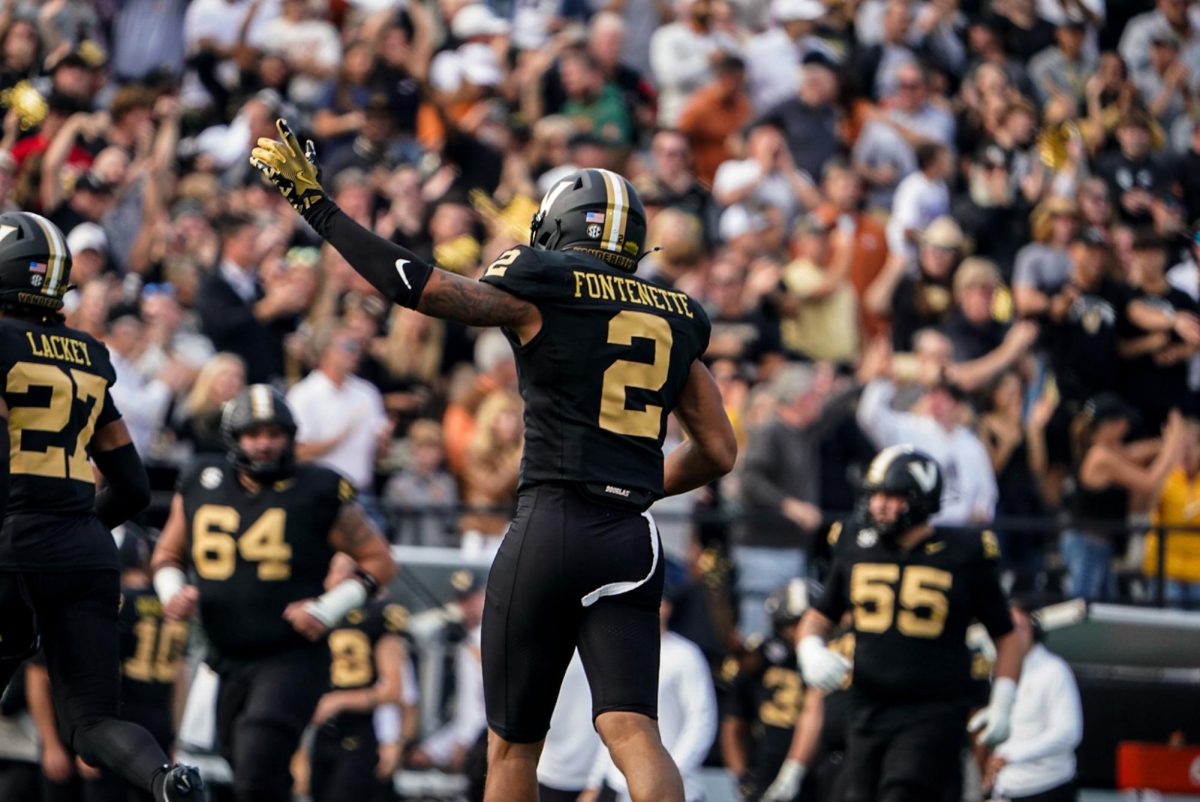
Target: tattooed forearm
<point>352,529</point>
<point>456,298</point>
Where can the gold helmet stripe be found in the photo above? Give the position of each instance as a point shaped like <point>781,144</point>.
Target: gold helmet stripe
<point>617,213</point>
<point>57,261</point>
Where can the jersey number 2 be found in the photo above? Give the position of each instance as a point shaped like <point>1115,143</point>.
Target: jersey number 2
<point>215,550</point>
<point>921,587</point>
<point>615,416</point>
<point>52,462</point>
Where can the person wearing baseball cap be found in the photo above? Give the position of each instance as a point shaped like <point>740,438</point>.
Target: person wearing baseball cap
<point>774,57</point>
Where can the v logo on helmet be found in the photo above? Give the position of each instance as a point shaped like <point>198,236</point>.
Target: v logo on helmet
<point>925,473</point>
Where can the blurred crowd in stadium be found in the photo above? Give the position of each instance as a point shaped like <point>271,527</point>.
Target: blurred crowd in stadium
<point>964,224</point>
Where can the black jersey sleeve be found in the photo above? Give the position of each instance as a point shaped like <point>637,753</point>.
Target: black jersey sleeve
<point>523,272</point>
<point>989,605</point>
<point>834,599</point>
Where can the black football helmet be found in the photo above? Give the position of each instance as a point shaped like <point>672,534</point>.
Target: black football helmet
<point>594,211</point>
<point>35,263</point>
<point>904,471</point>
<point>788,603</point>
<point>259,405</point>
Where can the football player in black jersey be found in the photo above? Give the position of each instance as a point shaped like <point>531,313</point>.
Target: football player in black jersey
<point>59,578</point>
<point>367,671</point>
<point>152,650</point>
<point>603,358</point>
<point>765,696</point>
<point>258,532</point>
<point>913,591</point>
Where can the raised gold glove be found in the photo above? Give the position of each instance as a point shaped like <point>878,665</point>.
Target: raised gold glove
<point>289,167</point>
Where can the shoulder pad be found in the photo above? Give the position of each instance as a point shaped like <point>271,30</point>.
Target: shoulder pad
<point>531,274</point>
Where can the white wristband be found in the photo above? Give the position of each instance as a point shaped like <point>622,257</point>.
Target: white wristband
<point>168,581</point>
<point>387,724</point>
<point>332,605</point>
<point>810,646</point>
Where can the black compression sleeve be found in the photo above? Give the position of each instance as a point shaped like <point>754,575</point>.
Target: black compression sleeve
<point>128,489</point>
<point>4,452</point>
<point>393,270</point>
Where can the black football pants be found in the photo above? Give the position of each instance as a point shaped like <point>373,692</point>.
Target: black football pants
<point>75,612</point>
<point>263,707</point>
<point>344,755</point>
<point>907,753</point>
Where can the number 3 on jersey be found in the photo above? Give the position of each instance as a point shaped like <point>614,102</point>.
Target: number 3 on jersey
<point>623,374</point>
<point>215,544</point>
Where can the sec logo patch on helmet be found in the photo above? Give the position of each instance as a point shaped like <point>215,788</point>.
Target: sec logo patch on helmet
<point>594,231</point>
<point>210,478</point>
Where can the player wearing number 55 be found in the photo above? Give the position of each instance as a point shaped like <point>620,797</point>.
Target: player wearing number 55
<point>59,578</point>
<point>603,357</point>
<point>258,532</point>
<point>911,590</point>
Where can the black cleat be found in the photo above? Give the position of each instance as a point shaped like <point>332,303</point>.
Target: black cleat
<point>182,783</point>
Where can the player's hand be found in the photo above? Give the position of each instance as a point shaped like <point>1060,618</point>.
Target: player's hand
<point>292,169</point>
<point>994,722</point>
<point>303,621</point>
<point>389,760</point>
<point>822,668</point>
<point>57,765</point>
<point>588,795</point>
<point>787,782</point>
<point>182,605</point>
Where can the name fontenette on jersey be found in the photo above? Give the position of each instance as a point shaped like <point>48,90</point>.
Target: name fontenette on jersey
<point>607,287</point>
<point>56,346</point>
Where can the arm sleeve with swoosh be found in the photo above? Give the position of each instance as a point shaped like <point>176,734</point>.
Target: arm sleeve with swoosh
<point>392,269</point>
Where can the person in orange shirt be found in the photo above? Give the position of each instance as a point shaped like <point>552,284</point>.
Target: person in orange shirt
<point>1179,506</point>
<point>714,115</point>
<point>843,192</point>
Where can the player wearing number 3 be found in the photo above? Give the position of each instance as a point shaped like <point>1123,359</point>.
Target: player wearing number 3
<point>912,591</point>
<point>59,573</point>
<point>258,532</point>
<point>603,358</point>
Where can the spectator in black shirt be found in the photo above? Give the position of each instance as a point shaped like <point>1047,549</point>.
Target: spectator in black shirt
<point>1135,177</point>
<point>922,301</point>
<point>971,328</point>
<point>1188,171</point>
<point>809,121</point>
<point>1154,364</point>
<point>738,333</point>
<point>238,313</point>
<point>1085,314</point>
<point>672,183</point>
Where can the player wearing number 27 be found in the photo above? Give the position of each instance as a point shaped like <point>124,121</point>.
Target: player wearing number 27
<point>912,591</point>
<point>258,532</point>
<point>59,573</point>
<point>603,358</point>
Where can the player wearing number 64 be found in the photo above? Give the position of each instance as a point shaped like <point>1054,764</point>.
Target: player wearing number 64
<point>603,358</point>
<point>257,532</point>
